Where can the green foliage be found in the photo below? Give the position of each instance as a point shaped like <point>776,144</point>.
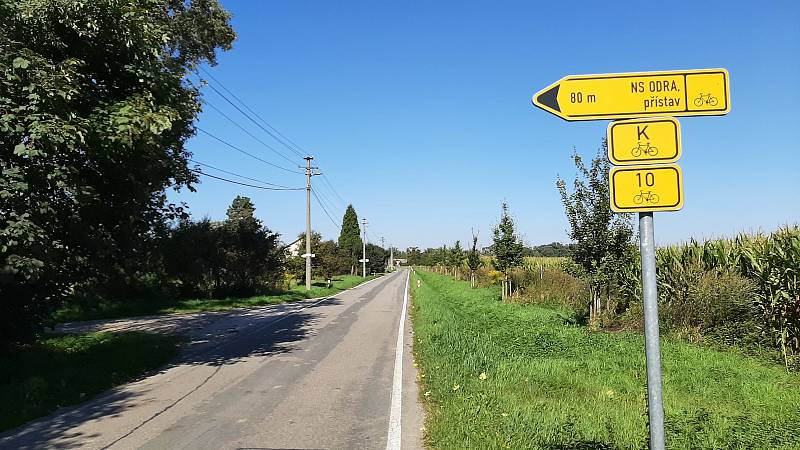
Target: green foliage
<point>95,116</point>
<point>236,257</point>
<point>551,286</point>
<point>250,253</point>
<point>474,261</point>
<point>455,257</point>
<point>378,258</point>
<point>56,371</point>
<point>600,236</point>
<point>504,375</point>
<point>192,257</point>
<point>112,310</point>
<point>552,250</point>
<point>431,257</point>
<point>506,246</point>
<point>414,256</point>
<point>774,264</point>
<point>350,244</point>
<point>710,276</point>
<point>329,260</point>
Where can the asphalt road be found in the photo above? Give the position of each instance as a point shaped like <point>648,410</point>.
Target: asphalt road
<point>316,374</point>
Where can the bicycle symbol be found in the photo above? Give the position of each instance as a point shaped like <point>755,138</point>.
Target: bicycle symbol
<point>645,148</point>
<point>645,197</point>
<point>705,99</point>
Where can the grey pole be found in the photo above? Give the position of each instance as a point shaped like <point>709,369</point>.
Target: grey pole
<point>655,404</point>
<point>308,221</point>
<point>383,243</point>
<point>364,249</point>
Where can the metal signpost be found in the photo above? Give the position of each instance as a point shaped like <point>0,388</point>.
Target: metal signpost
<point>640,141</point>
<point>655,187</point>
<point>646,180</point>
<point>640,94</point>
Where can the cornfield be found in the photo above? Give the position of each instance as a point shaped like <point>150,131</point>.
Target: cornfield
<point>772,262</point>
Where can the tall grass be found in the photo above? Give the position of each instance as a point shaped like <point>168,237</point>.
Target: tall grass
<point>504,375</point>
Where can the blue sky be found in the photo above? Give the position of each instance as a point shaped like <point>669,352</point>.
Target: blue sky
<point>419,113</point>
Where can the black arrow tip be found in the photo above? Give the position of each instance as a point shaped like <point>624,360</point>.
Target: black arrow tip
<point>549,98</point>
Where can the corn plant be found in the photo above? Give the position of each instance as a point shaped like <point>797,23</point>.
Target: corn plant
<point>772,262</point>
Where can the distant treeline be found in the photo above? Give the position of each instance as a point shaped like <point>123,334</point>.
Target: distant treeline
<point>553,249</point>
<point>441,256</point>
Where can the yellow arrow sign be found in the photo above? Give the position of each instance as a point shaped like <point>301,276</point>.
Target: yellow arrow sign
<point>646,188</point>
<point>638,94</point>
<point>641,141</point>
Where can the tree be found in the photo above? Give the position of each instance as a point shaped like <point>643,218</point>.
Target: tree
<point>330,261</point>
<point>414,256</point>
<point>251,257</point>
<point>456,258</point>
<point>601,237</point>
<point>350,238</point>
<point>553,249</point>
<point>473,259</point>
<point>327,260</point>
<point>191,256</point>
<point>439,258</point>
<point>96,111</point>
<point>507,248</point>
<point>377,256</point>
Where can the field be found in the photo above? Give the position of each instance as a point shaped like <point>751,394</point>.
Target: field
<point>502,375</point>
<point>533,261</point>
<point>546,261</point>
<point>93,311</point>
<point>55,371</point>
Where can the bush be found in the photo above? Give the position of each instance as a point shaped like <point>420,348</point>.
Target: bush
<point>717,299</point>
<point>705,300</point>
<point>553,287</point>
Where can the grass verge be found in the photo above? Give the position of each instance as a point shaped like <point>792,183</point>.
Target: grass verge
<point>497,375</point>
<point>56,371</point>
<point>92,311</point>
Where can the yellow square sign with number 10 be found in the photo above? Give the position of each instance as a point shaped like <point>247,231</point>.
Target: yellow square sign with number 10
<point>643,141</point>
<point>658,187</point>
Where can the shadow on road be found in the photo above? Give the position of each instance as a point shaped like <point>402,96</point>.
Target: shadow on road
<point>225,340</point>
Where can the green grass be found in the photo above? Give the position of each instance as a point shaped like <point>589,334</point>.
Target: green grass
<point>36,379</point>
<point>551,384</point>
<point>80,311</point>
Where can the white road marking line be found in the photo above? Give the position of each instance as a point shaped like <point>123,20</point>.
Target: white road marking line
<point>393,442</point>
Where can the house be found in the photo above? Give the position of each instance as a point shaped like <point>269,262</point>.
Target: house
<point>293,249</point>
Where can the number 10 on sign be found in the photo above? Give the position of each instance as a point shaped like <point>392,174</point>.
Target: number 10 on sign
<point>646,188</point>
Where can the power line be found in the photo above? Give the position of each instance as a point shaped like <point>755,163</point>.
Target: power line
<point>246,153</point>
<point>249,133</point>
<point>237,175</point>
<point>297,147</point>
<point>313,191</point>
<point>327,202</point>
<point>245,184</point>
<point>325,178</point>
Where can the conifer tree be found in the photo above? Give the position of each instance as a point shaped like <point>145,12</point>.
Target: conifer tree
<point>350,238</point>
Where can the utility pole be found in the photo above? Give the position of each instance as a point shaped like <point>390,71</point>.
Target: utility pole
<point>383,247</point>
<point>391,257</point>
<point>308,255</point>
<point>364,248</point>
